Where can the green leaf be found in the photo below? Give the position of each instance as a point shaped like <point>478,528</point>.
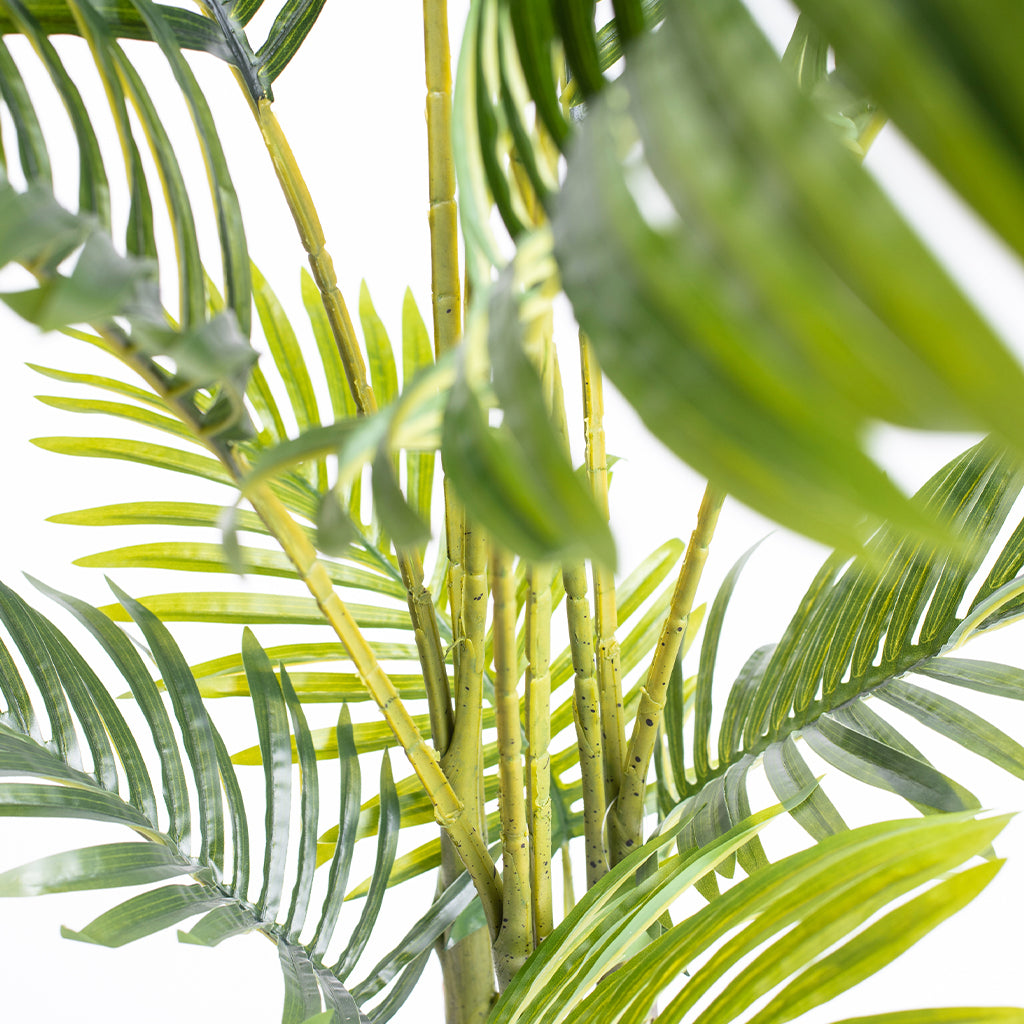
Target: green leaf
<point>518,387</point>
<point>944,77</point>
<point>132,413</point>
<point>984,676</point>
<point>309,811</point>
<point>877,945</point>
<point>345,839</point>
<point>94,867</point>
<point>741,368</point>
<point>387,843</point>
<point>250,609</point>
<point>497,486</point>
<point>788,774</point>
<point>824,892</point>
<point>420,939</point>
<point>102,283</point>
<point>417,354</point>
<point>956,722</point>
<point>381,358</point>
<point>130,665</point>
<point>290,28</point>
<point>219,924</point>
<point>708,655</point>
<point>196,728</point>
<point>194,557</point>
<point>20,622</point>
<point>288,358</point>
<point>137,451</point>
<point>618,910</point>
<point>301,991</point>
<point>147,913</point>
<point>34,227</point>
<point>944,1015</point>
<point>882,766</point>
<point>276,756</point>
<point>231,234</point>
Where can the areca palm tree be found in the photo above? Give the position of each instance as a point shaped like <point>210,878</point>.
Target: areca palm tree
<point>748,288</point>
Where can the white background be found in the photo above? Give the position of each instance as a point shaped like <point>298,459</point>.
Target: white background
<point>362,149</point>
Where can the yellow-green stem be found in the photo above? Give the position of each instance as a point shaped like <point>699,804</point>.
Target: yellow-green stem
<point>609,671</point>
<point>515,940</point>
<point>307,221</point>
<point>625,818</point>
<point>460,824</point>
<point>311,234</point>
<point>586,713</point>
<point>586,700</point>
<point>538,738</point>
<point>468,967</point>
<point>462,829</point>
<point>444,238</point>
<point>463,760</point>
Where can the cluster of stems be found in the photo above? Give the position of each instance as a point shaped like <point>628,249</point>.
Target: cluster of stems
<point>518,903</point>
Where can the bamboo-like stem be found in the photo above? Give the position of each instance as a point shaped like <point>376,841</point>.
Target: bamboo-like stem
<point>586,713</point>
<point>568,891</point>
<point>586,710</point>
<point>307,221</point>
<point>444,238</point>
<point>625,819</point>
<point>538,738</point>
<point>515,940</point>
<point>467,967</point>
<point>455,544</point>
<point>609,671</point>
<point>311,234</point>
<point>463,761</point>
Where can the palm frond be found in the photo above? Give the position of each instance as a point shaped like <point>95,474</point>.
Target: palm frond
<point>863,625</point>
<point>692,171</point>
<point>210,339</point>
<point>215,851</point>
<point>617,935</point>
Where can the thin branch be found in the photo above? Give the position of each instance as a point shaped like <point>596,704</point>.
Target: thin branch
<point>625,819</point>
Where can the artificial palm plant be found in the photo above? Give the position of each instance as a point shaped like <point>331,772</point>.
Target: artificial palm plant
<point>742,280</point>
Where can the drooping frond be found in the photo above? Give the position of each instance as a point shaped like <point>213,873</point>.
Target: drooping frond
<point>215,851</point>
<point>212,337</point>
<point>863,626</point>
<point>615,954</point>
<point>744,281</point>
